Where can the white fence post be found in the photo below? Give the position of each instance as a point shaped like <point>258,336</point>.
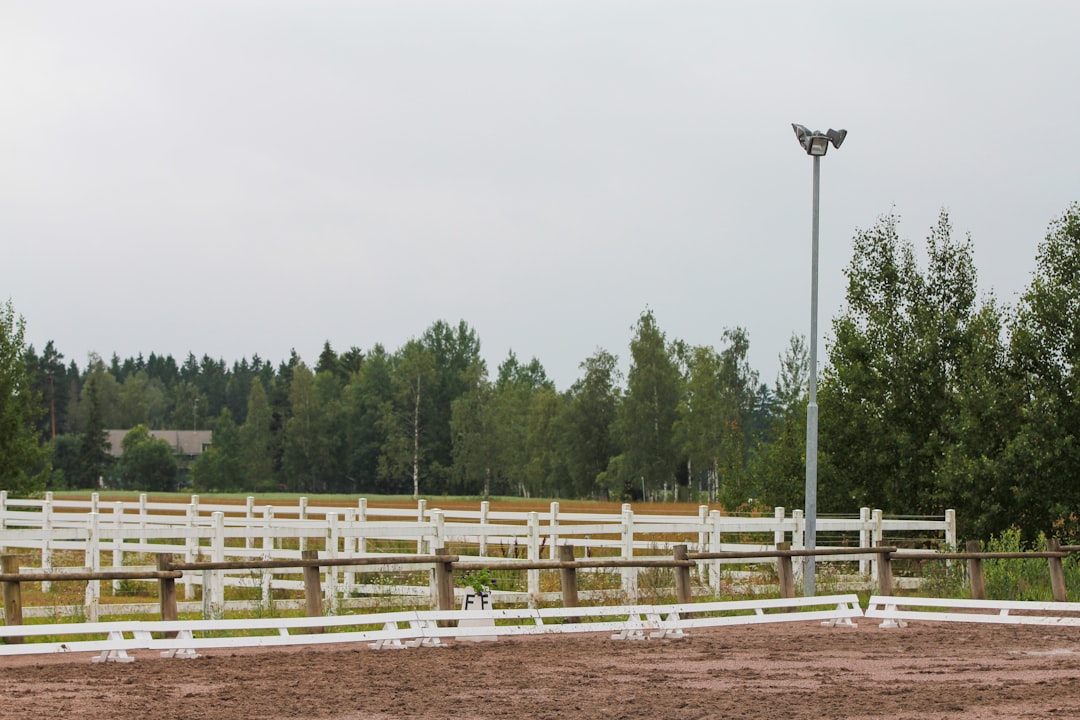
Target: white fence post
<point>421,516</point>
<point>118,542</point>
<point>779,535</point>
<point>333,539</point>
<point>249,515</point>
<point>361,517</point>
<point>950,529</point>
<point>3,515</point>
<point>142,515</point>
<point>798,542</point>
<point>703,517</point>
<point>214,580</point>
<point>267,553</point>
<point>629,574</point>
<point>93,564</point>
<point>715,544</point>
<point>302,516</point>
<point>46,540</point>
<point>434,542</point>
<point>533,576</point>
<point>485,507</point>
<point>350,552</point>
<point>191,546</point>
<point>876,536</point>
<point>864,537</point>
<point>553,534</point>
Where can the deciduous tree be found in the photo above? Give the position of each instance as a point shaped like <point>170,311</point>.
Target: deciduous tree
<point>23,459</point>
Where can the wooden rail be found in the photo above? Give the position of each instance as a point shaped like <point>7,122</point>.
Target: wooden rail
<point>313,562</point>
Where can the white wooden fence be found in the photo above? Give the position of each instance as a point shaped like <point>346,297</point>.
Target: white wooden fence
<point>215,531</point>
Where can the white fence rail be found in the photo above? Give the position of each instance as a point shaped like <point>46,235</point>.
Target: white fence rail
<point>895,611</point>
<point>215,531</point>
<point>416,628</point>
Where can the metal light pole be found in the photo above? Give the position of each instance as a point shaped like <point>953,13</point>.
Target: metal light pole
<point>816,145</point>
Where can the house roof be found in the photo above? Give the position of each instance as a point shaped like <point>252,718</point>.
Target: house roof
<point>183,442</point>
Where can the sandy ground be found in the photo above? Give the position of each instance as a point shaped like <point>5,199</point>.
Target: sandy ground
<point>796,670</point>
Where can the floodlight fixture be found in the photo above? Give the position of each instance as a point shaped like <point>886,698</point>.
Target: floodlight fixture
<point>815,142</point>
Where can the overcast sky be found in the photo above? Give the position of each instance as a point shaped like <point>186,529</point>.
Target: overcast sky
<point>236,178</point>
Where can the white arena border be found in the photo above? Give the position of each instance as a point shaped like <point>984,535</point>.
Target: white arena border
<point>894,611</point>
<point>417,628</point>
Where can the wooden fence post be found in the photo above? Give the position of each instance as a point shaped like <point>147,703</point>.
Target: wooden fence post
<point>166,589</point>
<point>884,574</point>
<point>978,590</point>
<point>444,582</point>
<point>568,577</point>
<point>683,590</point>
<point>9,564</point>
<point>312,589</point>
<point>1057,572</point>
<point>785,572</point>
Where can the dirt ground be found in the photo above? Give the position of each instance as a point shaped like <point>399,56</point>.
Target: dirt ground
<point>794,670</point>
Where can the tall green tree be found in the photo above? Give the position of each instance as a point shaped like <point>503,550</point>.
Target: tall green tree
<point>905,350</point>
<point>699,429</point>
<point>738,398</point>
<point>1038,469</point>
<point>257,442</point>
<point>478,443</point>
<point>23,459</point>
<point>106,395</point>
<point>51,383</point>
<point>366,397</point>
<point>454,352</point>
<point>586,428</point>
<point>779,464</point>
<point>546,473</point>
<point>313,457</point>
<point>649,410</point>
<point>95,462</point>
<point>408,420</point>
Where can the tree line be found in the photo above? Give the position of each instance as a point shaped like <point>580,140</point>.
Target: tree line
<point>932,396</point>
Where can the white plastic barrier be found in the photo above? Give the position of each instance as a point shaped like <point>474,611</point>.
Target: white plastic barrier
<point>894,611</point>
<point>422,628</point>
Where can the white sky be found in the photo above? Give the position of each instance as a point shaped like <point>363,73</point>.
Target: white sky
<point>232,178</point>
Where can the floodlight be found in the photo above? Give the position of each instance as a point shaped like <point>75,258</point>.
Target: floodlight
<point>815,142</point>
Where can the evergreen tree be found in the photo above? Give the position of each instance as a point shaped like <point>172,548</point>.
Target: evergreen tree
<point>257,443</point>
<point>94,458</point>
<point>366,397</point>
